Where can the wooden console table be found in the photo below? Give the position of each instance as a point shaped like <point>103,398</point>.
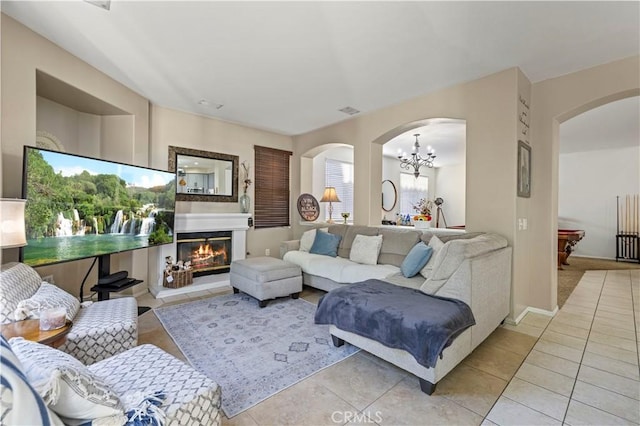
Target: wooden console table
<point>567,239</point>
<point>30,330</point>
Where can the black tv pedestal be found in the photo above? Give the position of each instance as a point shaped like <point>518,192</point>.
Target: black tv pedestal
<point>116,287</point>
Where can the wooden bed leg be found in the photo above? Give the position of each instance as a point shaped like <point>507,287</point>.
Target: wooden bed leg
<point>427,387</point>
<point>337,342</point>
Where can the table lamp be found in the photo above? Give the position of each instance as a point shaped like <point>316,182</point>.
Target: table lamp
<point>12,231</point>
<point>330,196</point>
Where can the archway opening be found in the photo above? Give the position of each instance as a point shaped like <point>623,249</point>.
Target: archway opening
<point>445,181</point>
<point>599,159</point>
<point>329,165</point>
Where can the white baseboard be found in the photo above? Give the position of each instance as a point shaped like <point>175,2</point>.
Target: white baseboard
<point>592,257</point>
<point>532,310</point>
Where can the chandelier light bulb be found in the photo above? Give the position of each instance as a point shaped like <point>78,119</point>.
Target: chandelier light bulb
<point>416,160</point>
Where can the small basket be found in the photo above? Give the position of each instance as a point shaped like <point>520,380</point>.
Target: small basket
<point>180,279</point>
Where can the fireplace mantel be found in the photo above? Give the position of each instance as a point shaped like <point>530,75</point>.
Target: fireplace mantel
<point>237,223</point>
<point>193,222</point>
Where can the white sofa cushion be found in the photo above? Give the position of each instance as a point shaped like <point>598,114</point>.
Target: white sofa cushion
<point>454,252</point>
<point>67,386</point>
<point>306,240</point>
<point>436,244</point>
<point>21,404</point>
<point>17,282</point>
<point>50,296</point>
<point>308,237</point>
<point>338,269</point>
<point>356,272</point>
<point>318,264</point>
<point>365,249</point>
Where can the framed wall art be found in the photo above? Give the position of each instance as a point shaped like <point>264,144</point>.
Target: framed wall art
<point>524,170</point>
<point>308,207</point>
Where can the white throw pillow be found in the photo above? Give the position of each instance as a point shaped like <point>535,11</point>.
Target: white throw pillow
<point>436,244</point>
<point>307,239</point>
<point>21,404</point>
<point>49,296</point>
<point>65,384</point>
<point>365,249</point>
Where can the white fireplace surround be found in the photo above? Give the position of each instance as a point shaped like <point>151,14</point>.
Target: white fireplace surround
<point>237,223</point>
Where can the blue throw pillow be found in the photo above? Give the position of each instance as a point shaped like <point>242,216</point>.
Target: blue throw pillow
<point>325,243</point>
<point>417,257</point>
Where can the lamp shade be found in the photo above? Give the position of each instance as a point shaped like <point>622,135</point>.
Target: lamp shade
<point>330,195</point>
<point>12,231</point>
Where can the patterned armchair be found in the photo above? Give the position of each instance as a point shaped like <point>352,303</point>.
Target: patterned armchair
<point>192,398</point>
<point>99,331</point>
<point>41,385</point>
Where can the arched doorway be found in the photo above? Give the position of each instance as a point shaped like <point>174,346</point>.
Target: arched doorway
<point>599,159</point>
<point>446,138</point>
<point>330,164</point>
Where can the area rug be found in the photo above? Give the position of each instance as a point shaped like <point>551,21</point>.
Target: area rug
<point>252,353</point>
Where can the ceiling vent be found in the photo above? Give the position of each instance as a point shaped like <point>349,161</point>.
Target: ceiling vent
<point>349,110</point>
<point>104,4</point>
<point>205,102</point>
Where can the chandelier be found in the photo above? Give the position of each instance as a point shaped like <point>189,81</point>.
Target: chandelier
<point>415,161</point>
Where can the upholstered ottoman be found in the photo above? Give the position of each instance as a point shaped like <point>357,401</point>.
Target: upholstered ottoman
<point>266,278</point>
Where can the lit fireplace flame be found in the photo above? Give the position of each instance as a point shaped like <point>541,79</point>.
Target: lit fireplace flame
<point>205,252</point>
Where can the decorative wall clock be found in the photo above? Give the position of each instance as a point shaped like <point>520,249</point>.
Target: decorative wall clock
<point>308,207</point>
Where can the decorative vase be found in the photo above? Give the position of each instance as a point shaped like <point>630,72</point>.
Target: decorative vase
<point>245,203</point>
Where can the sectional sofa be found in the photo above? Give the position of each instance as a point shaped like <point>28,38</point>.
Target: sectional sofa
<point>474,268</point>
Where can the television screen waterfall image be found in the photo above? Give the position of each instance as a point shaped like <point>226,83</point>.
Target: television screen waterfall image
<point>79,207</point>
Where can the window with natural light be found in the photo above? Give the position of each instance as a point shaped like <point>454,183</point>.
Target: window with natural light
<point>411,191</point>
<point>339,174</point>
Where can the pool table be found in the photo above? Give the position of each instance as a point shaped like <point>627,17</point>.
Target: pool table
<point>567,238</point>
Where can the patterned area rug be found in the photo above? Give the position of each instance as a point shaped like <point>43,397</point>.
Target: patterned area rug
<point>251,353</point>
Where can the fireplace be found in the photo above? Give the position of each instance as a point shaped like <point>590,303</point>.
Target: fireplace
<point>209,252</point>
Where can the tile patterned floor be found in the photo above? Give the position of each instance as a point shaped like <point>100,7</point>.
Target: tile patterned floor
<point>581,367</point>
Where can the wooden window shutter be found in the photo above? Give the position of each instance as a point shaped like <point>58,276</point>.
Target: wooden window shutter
<point>272,191</point>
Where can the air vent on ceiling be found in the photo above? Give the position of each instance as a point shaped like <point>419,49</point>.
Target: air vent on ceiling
<point>205,102</point>
<point>105,4</point>
<point>349,110</point>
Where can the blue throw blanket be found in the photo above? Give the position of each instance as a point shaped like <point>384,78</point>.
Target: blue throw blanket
<point>397,317</point>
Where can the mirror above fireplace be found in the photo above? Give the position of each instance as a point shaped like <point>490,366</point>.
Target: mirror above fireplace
<point>204,175</point>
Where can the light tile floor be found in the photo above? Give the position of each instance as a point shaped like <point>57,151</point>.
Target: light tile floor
<point>581,367</point>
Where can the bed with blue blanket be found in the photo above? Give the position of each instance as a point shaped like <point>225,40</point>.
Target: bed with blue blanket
<point>399,318</point>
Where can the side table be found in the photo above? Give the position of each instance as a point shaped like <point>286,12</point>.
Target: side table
<point>30,330</point>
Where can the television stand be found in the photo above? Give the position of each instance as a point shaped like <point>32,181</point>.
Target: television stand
<point>105,289</point>
<point>104,272</point>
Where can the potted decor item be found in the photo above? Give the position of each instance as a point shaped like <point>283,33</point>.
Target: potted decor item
<point>245,200</point>
<point>423,219</point>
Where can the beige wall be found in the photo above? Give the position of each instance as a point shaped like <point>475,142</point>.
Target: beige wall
<point>554,101</point>
<point>520,298</point>
<point>22,53</point>
<point>489,107</point>
<point>117,138</point>
<point>170,127</point>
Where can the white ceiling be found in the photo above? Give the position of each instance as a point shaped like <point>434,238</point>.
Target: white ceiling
<point>289,66</point>
<point>446,137</point>
<point>614,125</point>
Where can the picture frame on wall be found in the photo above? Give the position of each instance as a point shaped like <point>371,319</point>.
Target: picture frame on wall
<point>524,169</point>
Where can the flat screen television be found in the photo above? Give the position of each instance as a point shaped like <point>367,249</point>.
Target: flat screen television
<point>79,207</point>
